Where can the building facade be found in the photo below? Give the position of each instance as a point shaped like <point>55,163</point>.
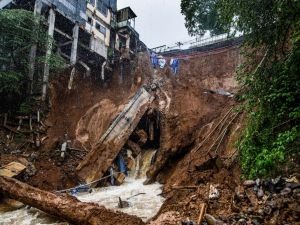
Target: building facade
<point>88,32</point>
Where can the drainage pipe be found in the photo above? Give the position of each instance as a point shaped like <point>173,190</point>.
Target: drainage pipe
<point>102,70</point>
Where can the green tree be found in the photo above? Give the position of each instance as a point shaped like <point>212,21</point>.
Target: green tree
<point>202,16</point>
<point>269,79</point>
<point>19,30</point>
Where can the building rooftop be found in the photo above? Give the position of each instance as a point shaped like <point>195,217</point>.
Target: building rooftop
<point>125,14</point>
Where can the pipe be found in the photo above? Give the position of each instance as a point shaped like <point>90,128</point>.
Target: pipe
<point>87,68</point>
<point>102,70</point>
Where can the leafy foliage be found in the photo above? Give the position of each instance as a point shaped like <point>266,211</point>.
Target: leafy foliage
<point>269,76</point>
<point>19,30</point>
<point>10,82</point>
<point>201,15</point>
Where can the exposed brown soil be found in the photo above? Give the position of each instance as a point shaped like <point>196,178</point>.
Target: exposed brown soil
<point>198,131</point>
<point>83,113</point>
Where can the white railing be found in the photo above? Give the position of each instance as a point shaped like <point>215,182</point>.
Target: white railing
<point>196,42</point>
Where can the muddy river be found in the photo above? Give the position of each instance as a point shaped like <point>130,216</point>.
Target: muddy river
<point>144,200</point>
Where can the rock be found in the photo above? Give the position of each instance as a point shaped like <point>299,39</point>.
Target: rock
<point>274,219</point>
<point>34,156</point>
<point>256,222</point>
<point>188,223</point>
<point>31,170</point>
<point>255,188</point>
<point>252,198</point>
<point>242,222</point>
<point>213,192</point>
<point>240,192</point>
<point>279,183</point>
<point>212,220</point>
<point>249,183</point>
<point>261,212</point>
<point>268,210</point>
<point>249,210</point>
<point>293,185</point>
<point>123,204</point>
<point>286,191</point>
<point>260,193</point>
<point>48,123</point>
<point>296,194</point>
<point>257,182</point>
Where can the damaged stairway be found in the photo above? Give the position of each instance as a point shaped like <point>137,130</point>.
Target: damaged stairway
<point>102,155</point>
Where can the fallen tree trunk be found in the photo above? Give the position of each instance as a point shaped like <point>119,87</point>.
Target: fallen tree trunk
<point>63,206</point>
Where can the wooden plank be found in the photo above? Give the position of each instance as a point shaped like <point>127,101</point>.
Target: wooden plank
<point>12,169</point>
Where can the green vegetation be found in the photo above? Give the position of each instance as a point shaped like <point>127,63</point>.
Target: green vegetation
<point>19,30</point>
<point>269,76</point>
<point>200,16</point>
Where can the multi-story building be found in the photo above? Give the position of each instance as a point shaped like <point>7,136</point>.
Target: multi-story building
<point>88,32</point>
<point>100,15</point>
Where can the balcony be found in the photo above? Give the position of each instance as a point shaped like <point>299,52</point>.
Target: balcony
<point>127,24</point>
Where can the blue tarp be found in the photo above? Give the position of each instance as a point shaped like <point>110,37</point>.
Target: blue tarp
<point>121,164</point>
<point>154,59</point>
<point>174,63</point>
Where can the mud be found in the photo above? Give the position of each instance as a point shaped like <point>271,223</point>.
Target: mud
<point>198,131</point>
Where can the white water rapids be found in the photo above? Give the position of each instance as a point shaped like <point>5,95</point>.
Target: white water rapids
<point>144,200</point>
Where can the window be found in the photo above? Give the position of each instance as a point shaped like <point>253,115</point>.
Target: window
<point>102,7</point>
<point>92,2</point>
<point>100,28</point>
<point>89,20</point>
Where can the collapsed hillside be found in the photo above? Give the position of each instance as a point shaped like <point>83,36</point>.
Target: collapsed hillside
<point>191,124</point>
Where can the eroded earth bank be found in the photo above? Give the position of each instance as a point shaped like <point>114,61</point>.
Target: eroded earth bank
<point>181,140</point>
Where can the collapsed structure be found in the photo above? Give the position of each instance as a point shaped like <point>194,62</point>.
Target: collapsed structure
<point>100,158</point>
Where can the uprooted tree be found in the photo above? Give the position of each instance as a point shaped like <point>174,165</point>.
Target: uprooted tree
<point>269,77</point>
<point>19,30</point>
<point>64,206</point>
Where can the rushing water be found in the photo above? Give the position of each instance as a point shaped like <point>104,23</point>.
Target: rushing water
<point>144,200</point>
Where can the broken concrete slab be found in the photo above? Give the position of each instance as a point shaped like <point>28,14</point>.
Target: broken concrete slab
<point>98,160</point>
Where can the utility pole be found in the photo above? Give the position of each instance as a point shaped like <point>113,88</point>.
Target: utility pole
<point>179,44</point>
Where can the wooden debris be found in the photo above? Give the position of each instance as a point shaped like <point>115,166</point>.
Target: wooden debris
<point>12,169</point>
<point>63,206</point>
<point>130,163</point>
<point>202,212</point>
<point>184,187</point>
<point>120,177</point>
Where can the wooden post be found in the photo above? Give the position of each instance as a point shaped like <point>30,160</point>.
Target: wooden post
<point>51,24</point>
<point>73,54</point>
<point>32,54</point>
<point>201,214</point>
